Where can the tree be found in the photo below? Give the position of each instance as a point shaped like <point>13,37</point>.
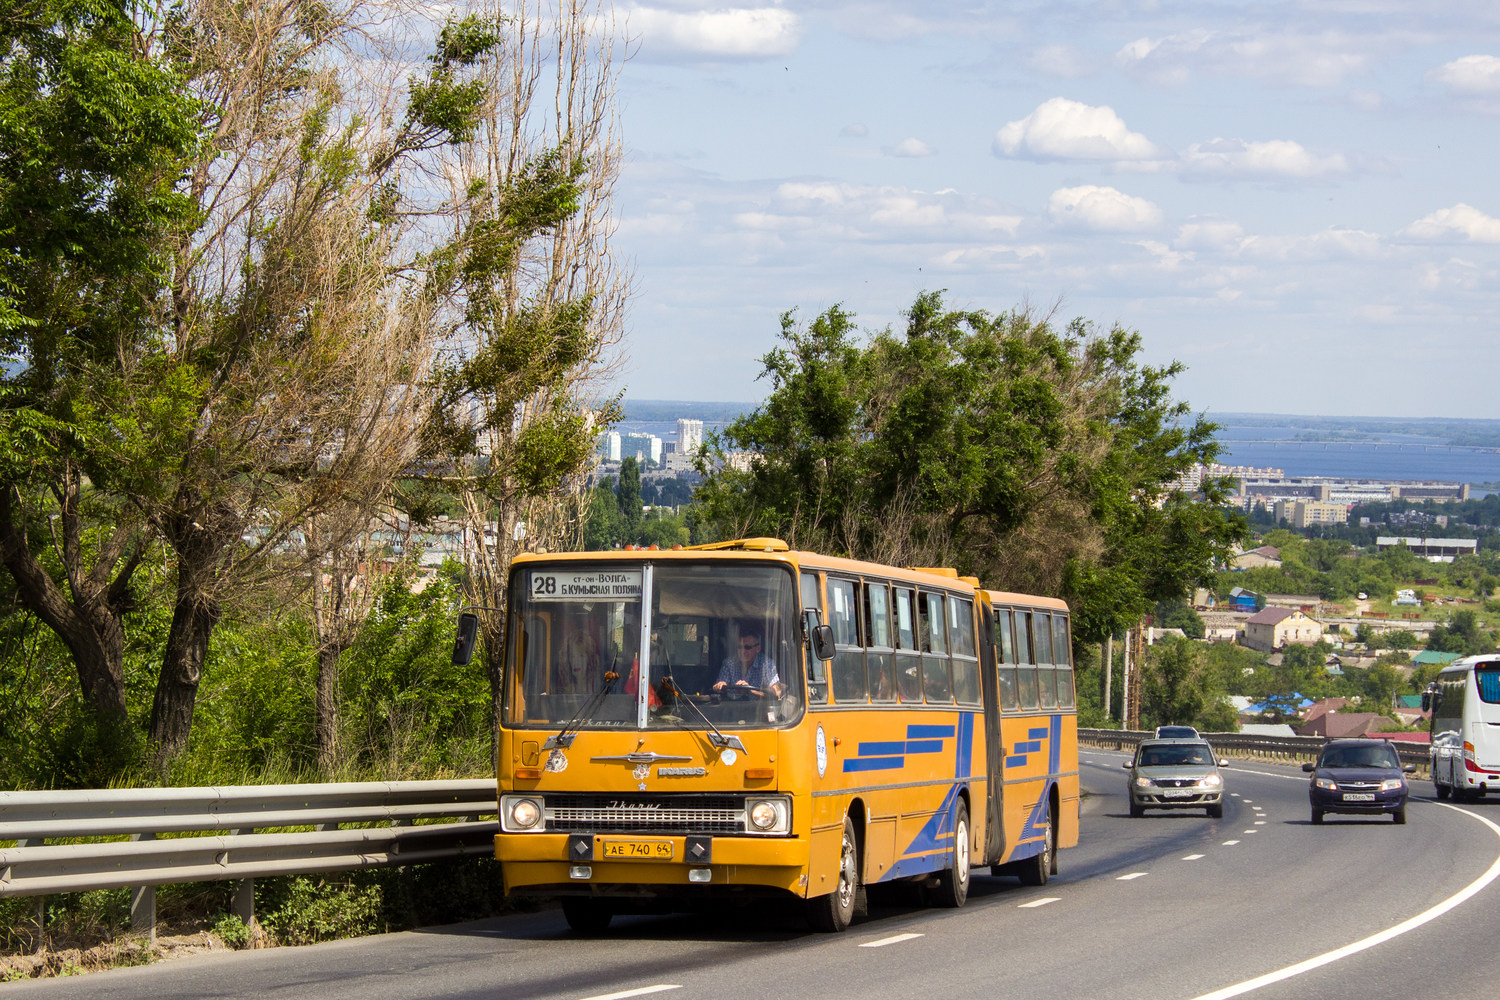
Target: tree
<point>1302,674</point>
<point>628,496</point>
<point>1461,635</point>
<point>537,296</point>
<point>96,129</point>
<point>1038,459</point>
<point>1180,616</point>
<point>1175,686</point>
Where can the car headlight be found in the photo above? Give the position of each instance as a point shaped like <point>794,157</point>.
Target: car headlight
<point>1392,785</point>
<point>1142,782</point>
<point>519,813</point>
<point>769,815</point>
<point>1327,784</point>
<point>1211,781</point>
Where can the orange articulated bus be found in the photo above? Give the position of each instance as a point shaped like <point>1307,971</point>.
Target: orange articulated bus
<point>691,727</point>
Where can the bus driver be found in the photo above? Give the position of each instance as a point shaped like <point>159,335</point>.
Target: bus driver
<point>752,668</point>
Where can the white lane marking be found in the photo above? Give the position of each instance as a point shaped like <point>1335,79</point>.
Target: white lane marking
<point>1230,843</point>
<point>1327,958</point>
<point>1127,878</point>
<point>1252,831</point>
<point>1039,902</point>
<point>893,939</point>
<point>1192,857</point>
<point>644,990</point>
<point>1260,822</point>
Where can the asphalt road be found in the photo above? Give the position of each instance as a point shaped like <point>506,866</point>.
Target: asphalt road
<point>1169,906</point>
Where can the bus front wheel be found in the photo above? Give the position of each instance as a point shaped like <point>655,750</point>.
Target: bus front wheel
<point>833,912</point>
<point>586,915</point>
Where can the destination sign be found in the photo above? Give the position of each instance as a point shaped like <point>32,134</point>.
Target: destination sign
<point>584,585</point>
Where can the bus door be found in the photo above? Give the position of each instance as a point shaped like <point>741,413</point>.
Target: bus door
<point>993,752</point>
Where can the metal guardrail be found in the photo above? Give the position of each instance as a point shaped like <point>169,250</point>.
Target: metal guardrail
<point>212,835</point>
<point>1301,748</point>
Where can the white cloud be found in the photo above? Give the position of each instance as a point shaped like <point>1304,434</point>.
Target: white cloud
<point>1326,245</point>
<point>857,130</point>
<point>877,214</point>
<point>1061,129</point>
<point>1459,224</point>
<point>731,33</point>
<point>1209,234</point>
<point>1471,76</point>
<point>1231,158</point>
<point>1315,59</point>
<point>1102,209</point>
<point>909,148</point>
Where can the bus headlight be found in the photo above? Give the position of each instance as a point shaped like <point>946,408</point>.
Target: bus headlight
<point>772,815</point>
<point>519,813</point>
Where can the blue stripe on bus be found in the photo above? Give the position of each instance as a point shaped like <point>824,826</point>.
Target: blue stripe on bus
<point>1040,733</point>
<point>924,746</point>
<point>874,763</point>
<point>1028,746</point>
<point>1015,761</point>
<point>882,749</point>
<point>927,732</point>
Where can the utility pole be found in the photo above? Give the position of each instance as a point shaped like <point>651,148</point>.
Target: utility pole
<point>1109,666</point>
<point>1133,678</point>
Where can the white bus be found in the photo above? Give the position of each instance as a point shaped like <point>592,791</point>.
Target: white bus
<point>1465,706</point>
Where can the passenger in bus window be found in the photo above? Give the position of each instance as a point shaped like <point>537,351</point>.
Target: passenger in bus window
<point>750,667</point>
<point>578,666</point>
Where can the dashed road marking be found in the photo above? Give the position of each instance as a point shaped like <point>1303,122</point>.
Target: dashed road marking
<point>893,939</point>
<point>1039,902</point>
<point>1192,857</point>
<point>1230,843</point>
<point>643,991</point>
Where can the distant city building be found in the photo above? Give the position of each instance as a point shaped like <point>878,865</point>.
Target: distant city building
<point>1443,550</point>
<point>689,436</point>
<point>1272,628</point>
<point>1305,513</point>
<point>609,446</point>
<point>642,447</point>
<point>1267,487</point>
<point>1266,555</point>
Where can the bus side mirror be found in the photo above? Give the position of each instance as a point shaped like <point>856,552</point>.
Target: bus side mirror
<point>822,642</point>
<point>1429,699</point>
<point>463,645</point>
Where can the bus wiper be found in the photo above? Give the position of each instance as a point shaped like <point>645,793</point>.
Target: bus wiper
<point>563,738</point>
<point>715,737</point>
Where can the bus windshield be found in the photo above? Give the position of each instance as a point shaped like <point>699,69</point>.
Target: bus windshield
<point>718,642</point>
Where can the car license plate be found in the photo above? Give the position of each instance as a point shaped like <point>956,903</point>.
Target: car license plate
<point>1176,793</point>
<point>638,850</point>
<point>1359,796</point>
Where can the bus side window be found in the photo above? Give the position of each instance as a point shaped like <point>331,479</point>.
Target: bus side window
<point>817,670</point>
<point>908,658</point>
<point>937,682</point>
<point>1005,657</point>
<point>1023,637</point>
<point>879,642</point>
<point>961,642</point>
<point>1062,647</point>
<point>1041,630</point>
<point>1046,683</point>
<point>1026,686</point>
<point>1065,695</point>
<point>849,661</point>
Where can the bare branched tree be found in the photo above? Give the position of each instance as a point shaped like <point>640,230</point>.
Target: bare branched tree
<point>542,298</point>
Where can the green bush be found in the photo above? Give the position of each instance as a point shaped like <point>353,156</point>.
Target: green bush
<point>324,910</point>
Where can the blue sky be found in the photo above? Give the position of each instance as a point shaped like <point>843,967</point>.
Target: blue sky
<point>1296,200</point>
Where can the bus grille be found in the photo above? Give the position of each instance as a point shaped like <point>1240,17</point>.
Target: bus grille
<point>645,814</point>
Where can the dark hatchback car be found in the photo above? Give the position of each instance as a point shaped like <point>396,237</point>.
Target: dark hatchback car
<point>1359,776</point>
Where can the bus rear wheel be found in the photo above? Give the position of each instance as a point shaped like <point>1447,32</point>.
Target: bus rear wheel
<point>1036,870</point>
<point>833,912</point>
<point>953,884</point>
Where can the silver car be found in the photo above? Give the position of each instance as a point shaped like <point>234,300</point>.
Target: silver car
<point>1176,774</point>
